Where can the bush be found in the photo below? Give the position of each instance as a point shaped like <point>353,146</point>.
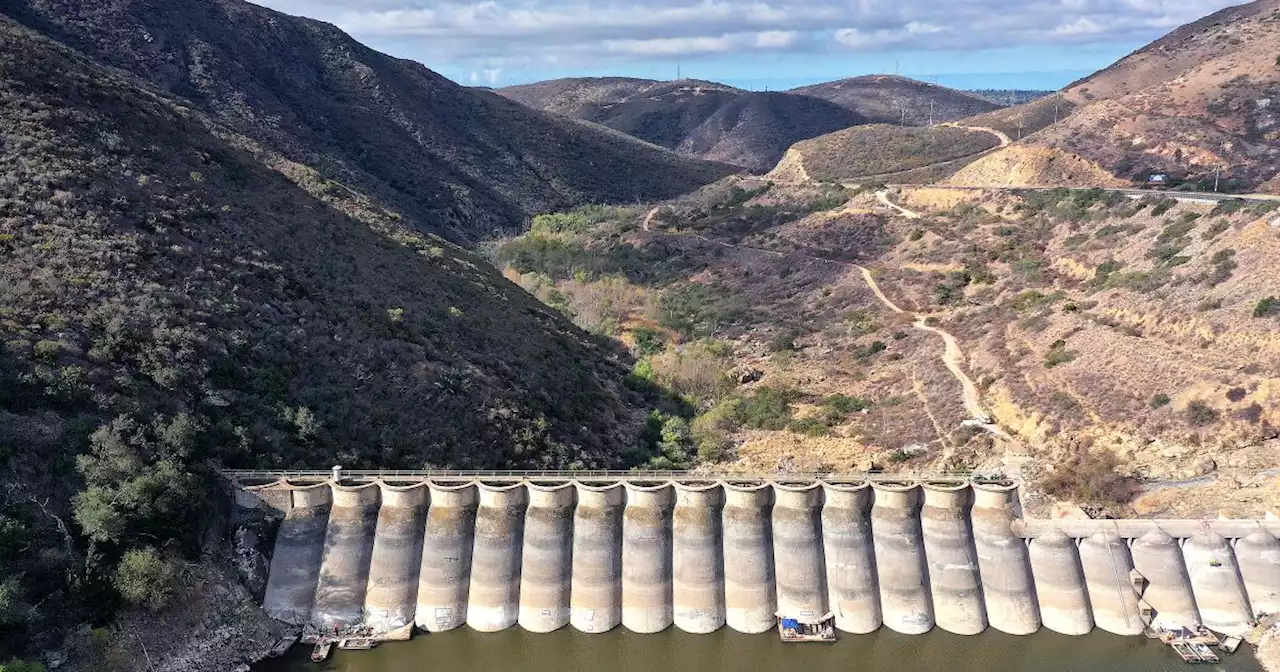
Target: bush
<point>147,579</point>
<point>696,309</point>
<point>1200,414</point>
<point>1160,400</point>
<point>15,665</point>
<point>1058,354</point>
<point>844,405</point>
<point>1266,307</point>
<point>768,408</point>
<point>1090,478</point>
<point>648,341</point>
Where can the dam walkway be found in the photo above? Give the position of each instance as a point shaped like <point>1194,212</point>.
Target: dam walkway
<point>697,551</point>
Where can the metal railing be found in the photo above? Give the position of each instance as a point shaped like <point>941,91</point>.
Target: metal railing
<point>256,476</point>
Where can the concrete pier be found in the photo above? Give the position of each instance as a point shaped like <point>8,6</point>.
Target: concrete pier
<point>1107,564</point>
<point>595,596</point>
<point>494,597</point>
<point>1007,584</point>
<point>647,600</point>
<point>1215,583</point>
<point>348,549</point>
<point>750,597</point>
<point>548,558</point>
<point>391,599</point>
<point>445,576</point>
<point>799,565</point>
<point>905,601</point>
<point>954,581</point>
<point>295,563</point>
<point>1259,557</point>
<point>698,558</point>
<point>1158,559</point>
<point>850,556</point>
<point>1060,585</point>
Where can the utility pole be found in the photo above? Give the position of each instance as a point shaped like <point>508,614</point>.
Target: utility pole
<point>677,72</point>
<point>904,116</point>
<point>896,63</point>
<point>931,113</point>
<point>1216,170</point>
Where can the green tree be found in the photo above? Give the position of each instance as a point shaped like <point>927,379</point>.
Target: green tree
<point>145,578</point>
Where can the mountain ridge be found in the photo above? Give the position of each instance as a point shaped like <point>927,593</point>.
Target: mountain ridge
<point>453,160</point>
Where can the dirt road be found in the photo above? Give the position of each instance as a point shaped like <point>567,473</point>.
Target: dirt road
<point>1005,141</point>
<point>952,355</point>
<point>883,197</point>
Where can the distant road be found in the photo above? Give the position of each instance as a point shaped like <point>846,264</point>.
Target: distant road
<point>1184,196</point>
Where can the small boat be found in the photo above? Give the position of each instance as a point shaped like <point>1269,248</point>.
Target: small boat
<point>807,628</point>
<point>1205,654</point>
<point>282,646</point>
<point>322,650</point>
<point>357,644</point>
<point>1231,643</point>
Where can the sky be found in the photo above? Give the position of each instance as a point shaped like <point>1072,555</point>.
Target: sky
<point>760,44</point>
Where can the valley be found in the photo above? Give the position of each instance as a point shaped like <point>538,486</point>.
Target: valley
<point>236,239</point>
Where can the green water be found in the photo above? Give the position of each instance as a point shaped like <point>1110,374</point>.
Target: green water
<point>567,650</point>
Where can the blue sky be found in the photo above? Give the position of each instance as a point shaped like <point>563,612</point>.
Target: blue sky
<point>759,44</point>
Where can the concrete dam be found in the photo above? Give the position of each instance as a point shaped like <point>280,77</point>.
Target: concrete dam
<point>700,553</point>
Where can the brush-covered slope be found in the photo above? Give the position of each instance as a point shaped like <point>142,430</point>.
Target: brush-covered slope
<point>879,152</point>
<point>453,160</point>
<point>173,298</point>
<point>1201,99</point>
<point>882,98</point>
<point>695,118</point>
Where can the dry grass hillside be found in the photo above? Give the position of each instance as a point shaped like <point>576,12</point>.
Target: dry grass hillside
<point>1197,102</point>
<point>695,118</point>
<point>456,161</point>
<point>1122,344</point>
<point>884,98</point>
<point>886,153</point>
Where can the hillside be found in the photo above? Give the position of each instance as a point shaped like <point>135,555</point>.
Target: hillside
<point>451,160</point>
<point>882,99</point>
<point>695,118</point>
<point>1194,103</point>
<point>881,152</point>
<point>1122,346</point>
<point>176,298</point>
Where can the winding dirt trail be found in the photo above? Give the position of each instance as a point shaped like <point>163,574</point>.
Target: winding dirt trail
<point>952,355</point>
<point>1005,140</point>
<point>882,197</point>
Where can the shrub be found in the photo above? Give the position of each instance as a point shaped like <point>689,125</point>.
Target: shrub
<point>697,309</point>
<point>15,665</point>
<point>842,404</point>
<point>147,579</point>
<point>1200,414</point>
<point>870,350</point>
<point>648,341</point>
<point>1087,477</point>
<point>1267,306</point>
<point>768,408</point>
<point>1058,354</point>
<point>1160,400</point>
<point>1162,206</point>
<point>810,426</point>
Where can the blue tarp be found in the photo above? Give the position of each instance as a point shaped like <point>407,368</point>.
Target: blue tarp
<point>791,623</point>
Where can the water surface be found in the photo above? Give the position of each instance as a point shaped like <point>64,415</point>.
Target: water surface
<point>515,650</point>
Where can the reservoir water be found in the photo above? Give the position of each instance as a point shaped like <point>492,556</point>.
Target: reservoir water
<point>672,650</point>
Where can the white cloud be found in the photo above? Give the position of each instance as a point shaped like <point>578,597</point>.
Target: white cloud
<point>583,31</point>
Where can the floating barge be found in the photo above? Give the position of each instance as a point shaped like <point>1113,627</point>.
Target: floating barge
<point>321,653</point>
<point>807,628</point>
<point>282,646</point>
